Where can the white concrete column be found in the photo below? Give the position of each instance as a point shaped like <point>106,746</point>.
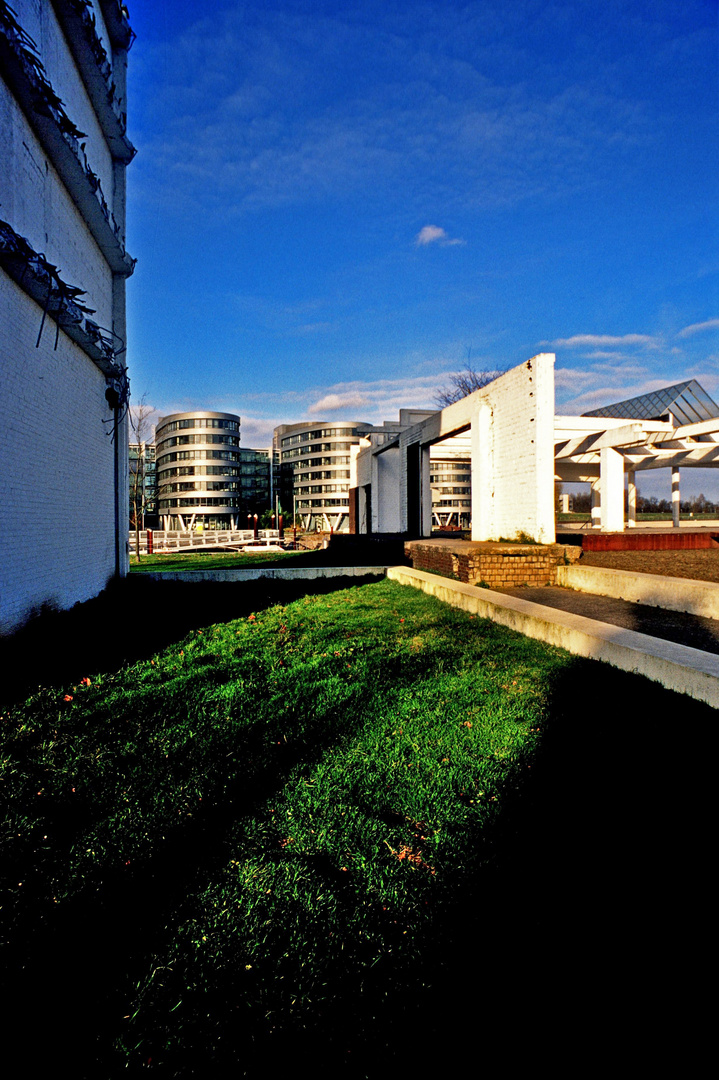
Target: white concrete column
<point>482,518</point>
<point>631,499</point>
<point>675,498</point>
<point>425,506</point>
<point>596,503</point>
<point>611,475</point>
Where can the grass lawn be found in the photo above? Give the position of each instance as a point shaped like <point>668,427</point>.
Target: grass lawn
<point>358,827</point>
<point>699,518</point>
<point>198,560</point>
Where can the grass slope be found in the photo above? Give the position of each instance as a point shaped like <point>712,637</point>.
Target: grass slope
<point>269,837</point>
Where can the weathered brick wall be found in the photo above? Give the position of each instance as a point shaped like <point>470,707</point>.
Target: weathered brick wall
<point>516,489</point>
<point>496,565</point>
<point>57,506</point>
<point>33,199</point>
<point>511,425</point>
<point>56,467</point>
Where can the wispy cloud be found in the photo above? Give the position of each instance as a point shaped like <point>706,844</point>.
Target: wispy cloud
<point>335,402</point>
<point>433,234</point>
<point>243,109</point>
<point>583,341</point>
<point>698,328</point>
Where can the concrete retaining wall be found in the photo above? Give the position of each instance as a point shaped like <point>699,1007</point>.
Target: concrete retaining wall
<point>298,573</point>
<point>676,594</point>
<point>677,667</point>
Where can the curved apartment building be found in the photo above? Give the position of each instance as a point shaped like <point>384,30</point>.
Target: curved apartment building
<point>451,482</point>
<point>318,456</point>
<point>198,467</point>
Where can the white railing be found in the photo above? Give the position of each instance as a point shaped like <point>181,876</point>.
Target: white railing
<point>162,540</point>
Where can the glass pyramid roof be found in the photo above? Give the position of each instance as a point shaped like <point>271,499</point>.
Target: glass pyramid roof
<point>687,402</point>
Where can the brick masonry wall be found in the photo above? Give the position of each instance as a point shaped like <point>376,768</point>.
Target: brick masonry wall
<point>57,519</point>
<point>501,566</point>
<point>56,467</point>
<point>34,201</point>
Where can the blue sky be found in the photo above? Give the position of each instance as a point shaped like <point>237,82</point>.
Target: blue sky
<point>335,204</point>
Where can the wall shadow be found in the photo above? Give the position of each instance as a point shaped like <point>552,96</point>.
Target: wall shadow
<point>132,620</point>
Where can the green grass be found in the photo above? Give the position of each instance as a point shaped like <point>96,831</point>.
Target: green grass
<point>198,560</point>
<point>641,517</point>
<point>262,828</point>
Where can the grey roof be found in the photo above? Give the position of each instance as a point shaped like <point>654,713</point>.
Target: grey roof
<point>687,402</point>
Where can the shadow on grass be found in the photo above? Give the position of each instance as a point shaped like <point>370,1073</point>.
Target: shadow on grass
<point>581,903</point>
<point>132,620</point>
<point>573,943</point>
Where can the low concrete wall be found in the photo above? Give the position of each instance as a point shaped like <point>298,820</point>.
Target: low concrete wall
<point>297,573</point>
<point>677,667</point>
<point>676,594</point>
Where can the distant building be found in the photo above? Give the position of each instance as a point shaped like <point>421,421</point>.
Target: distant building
<point>261,488</point>
<point>143,486</point>
<point>206,480</point>
<point>451,482</point>
<point>198,470</point>
<point>316,458</point>
<point>63,267</point>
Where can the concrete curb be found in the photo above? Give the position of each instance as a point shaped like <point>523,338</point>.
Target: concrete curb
<point>675,594</point>
<point>285,573</point>
<point>677,667</point>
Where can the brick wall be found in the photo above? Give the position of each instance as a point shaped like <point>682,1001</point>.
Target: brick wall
<point>56,467</point>
<point>57,457</point>
<point>497,565</point>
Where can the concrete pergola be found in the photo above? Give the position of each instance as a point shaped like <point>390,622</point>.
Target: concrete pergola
<point>519,449</point>
<point>599,451</point>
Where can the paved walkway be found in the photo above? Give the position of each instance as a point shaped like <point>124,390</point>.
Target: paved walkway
<point>692,630</point>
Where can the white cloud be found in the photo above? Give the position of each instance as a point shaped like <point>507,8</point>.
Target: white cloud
<point>143,418</point>
<point>433,234</point>
<point>698,328</point>
<point>314,328</point>
<point>582,341</point>
<point>333,402</point>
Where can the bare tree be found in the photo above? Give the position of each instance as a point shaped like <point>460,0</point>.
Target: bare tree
<point>462,383</point>
<point>140,422</point>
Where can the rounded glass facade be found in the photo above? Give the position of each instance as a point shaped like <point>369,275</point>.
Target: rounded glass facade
<point>319,457</point>
<point>451,482</point>
<point>198,470</point>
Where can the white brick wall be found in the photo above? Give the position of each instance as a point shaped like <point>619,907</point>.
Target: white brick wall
<point>57,458</point>
<point>56,467</point>
<point>515,485</point>
<point>512,431</point>
<point>35,202</point>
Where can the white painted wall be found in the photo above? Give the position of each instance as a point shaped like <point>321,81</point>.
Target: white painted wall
<point>57,495</point>
<point>512,434</point>
<point>384,491</point>
<point>56,467</point>
<point>516,485</point>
